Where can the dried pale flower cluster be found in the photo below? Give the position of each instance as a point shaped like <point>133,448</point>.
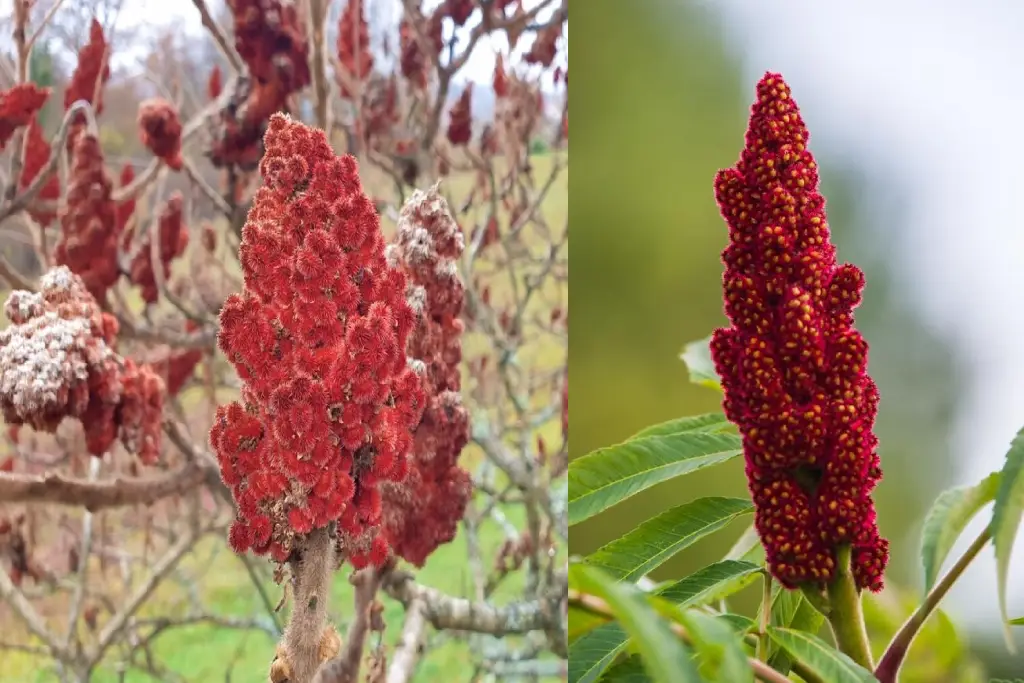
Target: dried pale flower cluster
<point>160,131</point>
<point>423,511</point>
<point>354,54</point>
<point>88,240</point>
<point>318,337</point>
<point>793,368</point>
<point>172,236</point>
<point>18,107</point>
<point>271,40</point>
<point>57,360</point>
<point>460,121</point>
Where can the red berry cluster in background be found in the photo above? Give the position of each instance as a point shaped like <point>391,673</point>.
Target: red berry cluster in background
<point>545,46</point>
<point>318,338</point>
<point>37,154</point>
<point>354,54</point>
<point>460,122</point>
<point>793,368</point>
<point>214,86</point>
<point>89,77</point>
<point>18,107</point>
<point>423,511</point>
<point>271,40</point>
<point>459,10</point>
<point>500,79</point>
<point>160,131</point>
<point>172,235</point>
<point>57,360</point>
<point>176,366</point>
<point>88,240</point>
<point>412,59</point>
<point>380,104</point>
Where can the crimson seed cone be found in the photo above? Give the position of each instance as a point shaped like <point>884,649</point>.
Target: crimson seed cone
<point>793,368</point>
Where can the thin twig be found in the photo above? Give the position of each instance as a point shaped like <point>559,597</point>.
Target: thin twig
<point>218,35</point>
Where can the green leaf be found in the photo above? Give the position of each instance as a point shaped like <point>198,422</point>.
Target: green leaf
<point>595,651</point>
<point>950,514</point>
<point>711,583</point>
<point>1019,621</point>
<point>658,539</point>
<point>665,657</point>
<point>719,649</point>
<point>582,621</point>
<point>601,479</point>
<point>709,422</point>
<point>1006,515</point>
<point>592,654</point>
<point>790,609</point>
<point>737,622</point>
<point>820,657</point>
<point>697,356</point>
<point>629,670</point>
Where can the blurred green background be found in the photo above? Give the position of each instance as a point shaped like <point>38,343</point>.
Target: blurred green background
<point>660,105</point>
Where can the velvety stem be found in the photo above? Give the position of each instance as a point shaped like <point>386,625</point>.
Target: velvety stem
<point>311,575</point>
<point>845,614</point>
<point>896,652</point>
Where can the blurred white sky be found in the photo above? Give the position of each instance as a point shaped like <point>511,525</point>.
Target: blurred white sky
<point>934,92</point>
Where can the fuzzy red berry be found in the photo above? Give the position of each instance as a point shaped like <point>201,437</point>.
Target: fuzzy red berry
<point>160,131</point>
<point>18,107</point>
<point>318,337</point>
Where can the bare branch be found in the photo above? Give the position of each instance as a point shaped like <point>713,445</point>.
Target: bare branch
<point>318,63</point>
<point>345,667</point>
<point>28,614</point>
<point>410,646</point>
<point>163,566</point>
<point>57,149</point>
<point>448,612</point>
<point>219,36</point>
<point>56,488</point>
